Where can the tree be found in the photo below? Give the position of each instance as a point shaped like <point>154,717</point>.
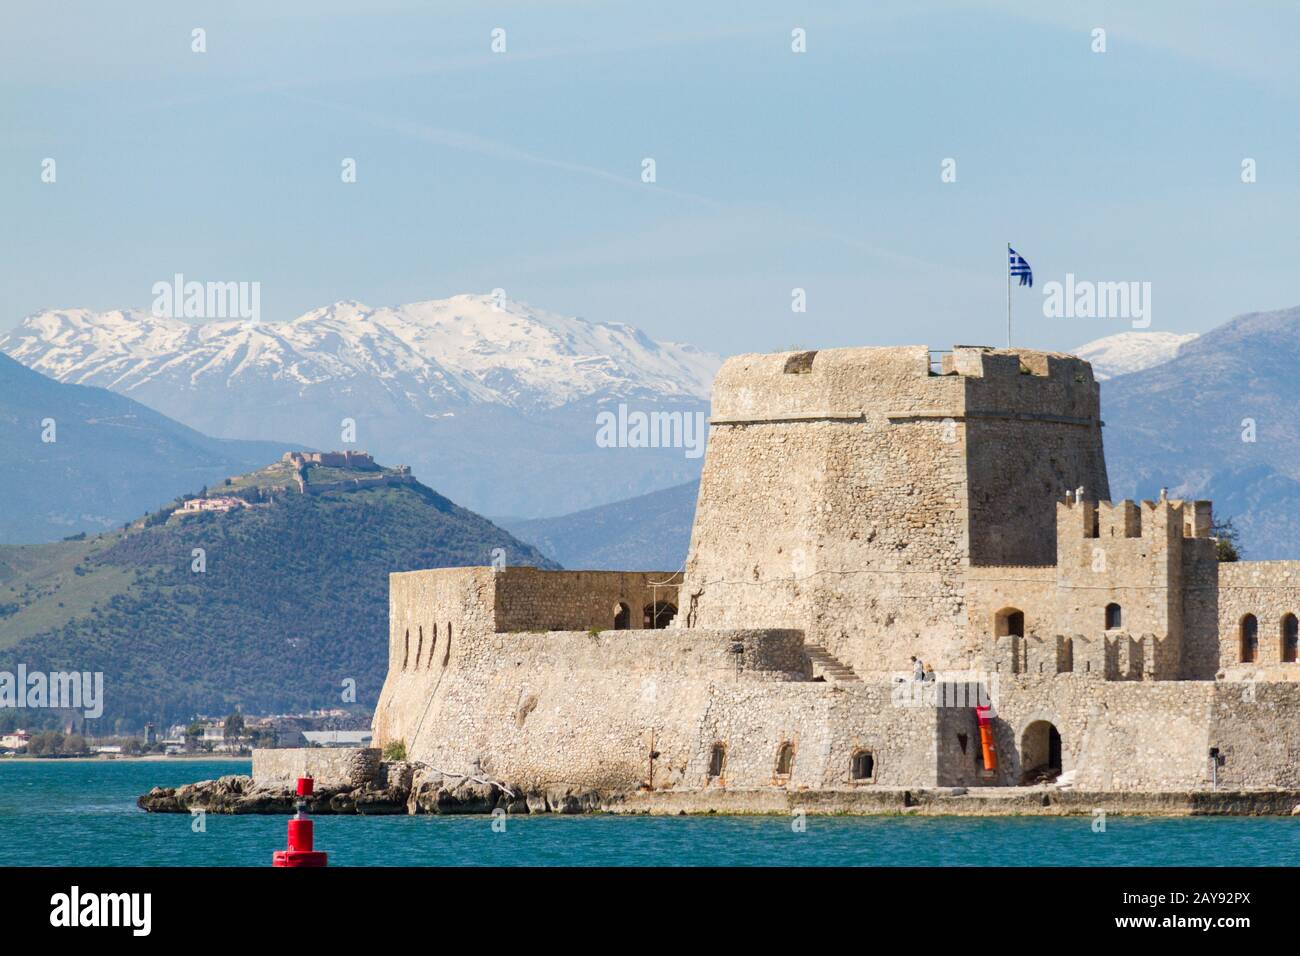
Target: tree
<point>234,728</point>
<point>1225,540</point>
<point>46,742</point>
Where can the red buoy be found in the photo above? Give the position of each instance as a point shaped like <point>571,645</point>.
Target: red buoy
<point>300,852</point>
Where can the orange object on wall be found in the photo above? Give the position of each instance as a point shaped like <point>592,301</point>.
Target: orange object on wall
<point>986,738</point>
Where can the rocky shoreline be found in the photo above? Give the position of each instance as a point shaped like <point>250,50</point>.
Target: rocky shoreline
<point>403,788</point>
<point>396,789</point>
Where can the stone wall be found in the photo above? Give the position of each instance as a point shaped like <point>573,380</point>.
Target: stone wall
<point>864,503</point>
<point>539,727</point>
<point>1270,590</point>
<point>529,599</point>
<point>330,766</point>
<point>1135,736</point>
<point>846,492</point>
<point>1033,431</point>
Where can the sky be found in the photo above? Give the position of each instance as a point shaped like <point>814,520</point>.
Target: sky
<point>774,170</point>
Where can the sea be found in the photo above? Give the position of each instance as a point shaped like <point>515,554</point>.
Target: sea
<point>83,813</point>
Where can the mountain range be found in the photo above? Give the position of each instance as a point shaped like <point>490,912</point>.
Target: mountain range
<point>1128,352</point>
<point>1219,420</point>
<point>494,403</point>
<point>489,399</point>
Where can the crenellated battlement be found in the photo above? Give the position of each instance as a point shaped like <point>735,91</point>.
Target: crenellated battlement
<point>903,381</point>
<point>1078,517</point>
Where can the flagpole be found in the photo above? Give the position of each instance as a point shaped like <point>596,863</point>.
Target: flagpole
<point>1008,257</point>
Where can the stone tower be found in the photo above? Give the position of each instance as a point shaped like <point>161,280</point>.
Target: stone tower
<point>847,491</point>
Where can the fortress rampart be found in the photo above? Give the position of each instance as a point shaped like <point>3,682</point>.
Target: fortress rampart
<point>858,507</point>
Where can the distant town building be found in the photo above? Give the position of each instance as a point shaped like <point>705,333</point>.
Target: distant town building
<point>217,503</point>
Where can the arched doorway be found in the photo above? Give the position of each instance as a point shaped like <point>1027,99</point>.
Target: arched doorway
<point>622,616</point>
<point>659,614</point>
<point>1040,753</point>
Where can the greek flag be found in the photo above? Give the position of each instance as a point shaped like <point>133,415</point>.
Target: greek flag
<point>1019,267</point>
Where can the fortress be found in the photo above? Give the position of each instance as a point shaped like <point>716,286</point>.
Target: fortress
<point>858,507</point>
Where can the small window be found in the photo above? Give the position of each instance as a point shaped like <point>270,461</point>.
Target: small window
<point>1290,639</point>
<point>622,616</point>
<point>406,655</point>
<point>717,761</point>
<point>1114,617</point>
<point>785,759</point>
<point>419,647</point>
<point>1249,639</point>
<point>864,765</point>
<point>433,645</point>
<point>1009,621</point>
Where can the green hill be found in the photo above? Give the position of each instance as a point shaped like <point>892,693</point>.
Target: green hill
<point>292,602</point>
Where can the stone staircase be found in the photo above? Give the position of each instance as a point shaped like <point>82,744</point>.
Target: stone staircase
<point>829,667</point>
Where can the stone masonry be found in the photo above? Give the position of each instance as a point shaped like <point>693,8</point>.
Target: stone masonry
<point>858,507</point>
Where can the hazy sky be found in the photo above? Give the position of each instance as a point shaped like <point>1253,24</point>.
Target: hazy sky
<point>775,170</point>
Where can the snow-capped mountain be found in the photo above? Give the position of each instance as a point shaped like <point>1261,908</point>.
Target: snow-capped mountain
<point>1128,352</point>
<point>488,399</point>
<point>469,348</point>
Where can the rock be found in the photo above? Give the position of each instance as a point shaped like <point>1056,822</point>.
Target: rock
<point>568,800</point>
<point>400,787</point>
<point>375,801</point>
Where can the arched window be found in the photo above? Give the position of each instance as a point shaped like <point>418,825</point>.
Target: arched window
<point>784,759</point>
<point>864,765</point>
<point>1009,621</point>
<point>717,761</point>
<point>622,616</point>
<point>1249,639</point>
<point>1290,639</point>
<point>659,614</point>
<point>1114,617</point>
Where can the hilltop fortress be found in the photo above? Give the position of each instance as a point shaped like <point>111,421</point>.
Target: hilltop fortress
<point>858,507</point>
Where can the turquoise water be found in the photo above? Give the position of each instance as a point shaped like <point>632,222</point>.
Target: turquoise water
<point>64,813</point>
